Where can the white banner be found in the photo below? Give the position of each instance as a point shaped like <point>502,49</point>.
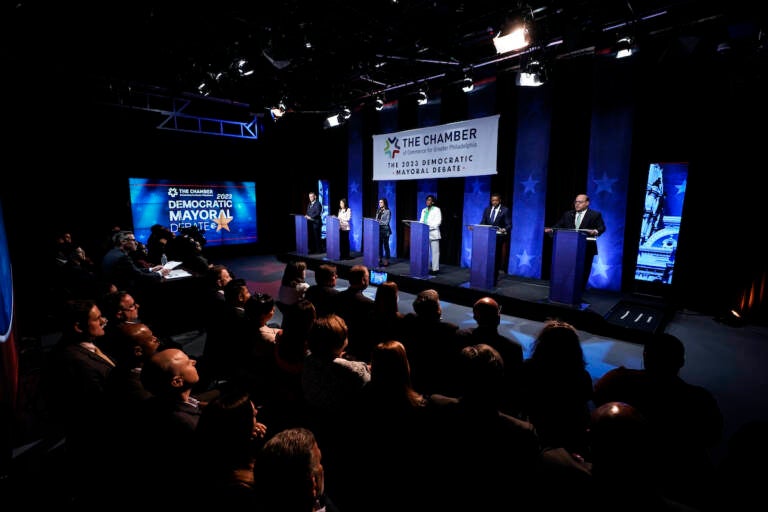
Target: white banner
<point>466,148</point>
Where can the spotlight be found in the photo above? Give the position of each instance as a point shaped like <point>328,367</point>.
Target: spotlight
<point>624,47</point>
<point>532,75</point>
<point>379,104</point>
<point>421,97</point>
<point>467,85</point>
<point>243,67</point>
<point>344,114</point>
<point>515,37</point>
<point>332,121</point>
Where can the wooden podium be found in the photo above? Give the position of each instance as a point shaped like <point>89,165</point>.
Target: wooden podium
<point>565,283</point>
<point>370,242</point>
<point>419,247</point>
<point>301,234</point>
<point>483,268</point>
<point>332,247</point>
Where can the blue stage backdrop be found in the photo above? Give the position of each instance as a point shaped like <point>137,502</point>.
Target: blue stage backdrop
<point>477,190</point>
<point>225,212</point>
<point>534,121</point>
<point>388,189</point>
<point>610,150</point>
<point>355,182</point>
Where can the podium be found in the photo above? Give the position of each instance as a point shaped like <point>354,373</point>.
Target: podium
<point>419,250</point>
<point>565,284</point>
<point>332,249</point>
<point>301,233</point>
<point>370,242</point>
<point>483,268</point>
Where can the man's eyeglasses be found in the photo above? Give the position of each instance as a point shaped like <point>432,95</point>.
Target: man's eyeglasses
<point>579,202</point>
<point>131,307</point>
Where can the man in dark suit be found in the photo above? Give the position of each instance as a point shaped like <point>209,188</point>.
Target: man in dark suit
<point>500,217</point>
<point>315,217</point>
<point>582,217</point>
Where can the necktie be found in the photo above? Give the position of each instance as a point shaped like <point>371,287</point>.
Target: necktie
<point>493,215</point>
<point>579,215</point>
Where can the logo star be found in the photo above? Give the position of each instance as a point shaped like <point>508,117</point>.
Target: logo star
<point>222,222</point>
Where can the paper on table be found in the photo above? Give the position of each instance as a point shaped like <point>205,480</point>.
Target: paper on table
<point>177,273</point>
<point>172,265</point>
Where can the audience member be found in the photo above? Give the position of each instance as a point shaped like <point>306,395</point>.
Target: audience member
<point>118,267</point>
<point>355,307</point>
<point>385,321</point>
<point>170,417</point>
<point>687,418</point>
<point>624,463</point>
<point>286,407</point>
<point>323,293</point>
<point>261,365</point>
<point>229,338</point>
<point>228,435</point>
<point>557,388</point>
<point>293,286</point>
<point>484,457</point>
<point>433,346</point>
<point>289,475</point>
<point>392,424</point>
<point>73,383</point>
<point>487,313</point>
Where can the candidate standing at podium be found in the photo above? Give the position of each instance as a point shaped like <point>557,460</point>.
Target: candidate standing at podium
<point>383,217</point>
<point>500,217</point>
<point>315,218</point>
<point>582,217</point>
<point>432,216</point>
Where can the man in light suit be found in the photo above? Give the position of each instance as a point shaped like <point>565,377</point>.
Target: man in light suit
<point>500,217</point>
<point>582,217</point>
<point>315,217</point>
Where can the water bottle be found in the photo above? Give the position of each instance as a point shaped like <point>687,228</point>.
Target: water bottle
<point>163,259</point>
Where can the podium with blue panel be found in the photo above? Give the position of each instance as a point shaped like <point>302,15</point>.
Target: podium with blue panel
<point>370,242</point>
<point>568,250</point>
<point>302,246</point>
<point>419,258</point>
<point>483,268</point>
<point>332,247</point>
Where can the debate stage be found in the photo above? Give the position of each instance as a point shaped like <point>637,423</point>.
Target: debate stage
<point>610,314</point>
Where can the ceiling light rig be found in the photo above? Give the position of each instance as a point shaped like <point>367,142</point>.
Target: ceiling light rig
<point>532,74</point>
<point>515,34</point>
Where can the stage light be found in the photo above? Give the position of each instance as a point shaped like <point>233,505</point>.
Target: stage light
<point>344,114</point>
<point>421,97</point>
<point>624,47</point>
<point>515,36</point>
<point>467,85</point>
<point>532,75</point>
<point>379,103</point>
<point>243,67</point>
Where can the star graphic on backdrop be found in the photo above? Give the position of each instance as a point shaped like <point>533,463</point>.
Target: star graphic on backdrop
<point>681,187</point>
<point>605,183</point>
<point>524,259</point>
<point>530,184</point>
<point>477,187</point>
<point>600,268</point>
<point>222,222</point>
<point>354,187</point>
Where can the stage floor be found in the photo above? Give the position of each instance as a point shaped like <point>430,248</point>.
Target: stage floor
<point>604,313</point>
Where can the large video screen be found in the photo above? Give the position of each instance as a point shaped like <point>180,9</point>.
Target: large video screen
<point>663,211</point>
<point>223,212</point>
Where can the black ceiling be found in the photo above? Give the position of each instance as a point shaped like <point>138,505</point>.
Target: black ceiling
<point>358,49</point>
